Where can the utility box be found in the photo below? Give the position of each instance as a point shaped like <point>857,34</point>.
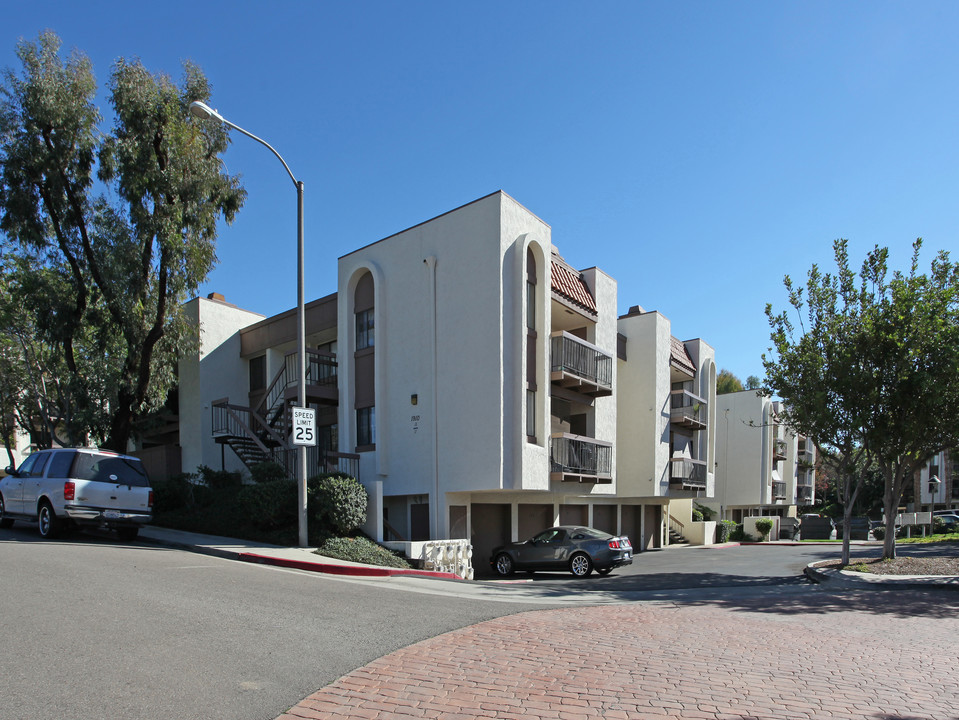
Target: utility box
<point>816,528</point>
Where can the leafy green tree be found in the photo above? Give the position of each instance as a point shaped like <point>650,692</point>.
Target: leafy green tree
<point>753,382</point>
<point>114,227</point>
<point>727,382</point>
<point>874,378</point>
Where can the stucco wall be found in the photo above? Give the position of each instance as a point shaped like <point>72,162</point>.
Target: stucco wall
<point>215,372</point>
<point>643,407</point>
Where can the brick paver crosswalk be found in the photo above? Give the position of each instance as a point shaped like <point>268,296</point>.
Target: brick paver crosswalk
<point>876,655</point>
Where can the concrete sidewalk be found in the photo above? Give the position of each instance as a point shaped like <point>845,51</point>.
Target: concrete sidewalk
<point>265,554</point>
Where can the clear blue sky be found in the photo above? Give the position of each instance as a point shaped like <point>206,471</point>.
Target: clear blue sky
<point>696,151</point>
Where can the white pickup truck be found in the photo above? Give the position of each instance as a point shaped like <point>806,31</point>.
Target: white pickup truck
<point>68,487</point>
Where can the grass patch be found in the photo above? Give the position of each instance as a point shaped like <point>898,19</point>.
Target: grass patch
<point>943,537</point>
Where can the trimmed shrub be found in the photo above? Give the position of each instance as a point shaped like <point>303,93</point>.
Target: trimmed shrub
<point>362,550</point>
<point>269,505</point>
<point>173,494</point>
<point>265,472</point>
<point>697,516</point>
<point>219,479</point>
<point>724,530</point>
<point>764,525</point>
<point>738,534</point>
<point>338,502</point>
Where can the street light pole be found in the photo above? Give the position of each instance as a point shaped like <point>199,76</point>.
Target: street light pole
<point>205,112</point>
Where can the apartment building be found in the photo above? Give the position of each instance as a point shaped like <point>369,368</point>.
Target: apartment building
<point>764,468</point>
<point>930,495</point>
<point>463,371</point>
<point>666,435</point>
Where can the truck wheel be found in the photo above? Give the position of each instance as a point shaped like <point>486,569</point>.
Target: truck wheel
<point>47,521</point>
<point>5,522</point>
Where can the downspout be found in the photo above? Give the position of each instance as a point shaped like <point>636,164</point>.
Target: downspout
<point>435,489</point>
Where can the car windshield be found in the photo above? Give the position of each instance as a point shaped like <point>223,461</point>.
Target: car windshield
<point>110,468</point>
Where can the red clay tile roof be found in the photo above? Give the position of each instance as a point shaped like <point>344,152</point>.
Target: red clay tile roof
<point>679,356</point>
<point>570,285</point>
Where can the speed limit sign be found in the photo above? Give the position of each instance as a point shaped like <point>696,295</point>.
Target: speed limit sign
<point>304,426</point>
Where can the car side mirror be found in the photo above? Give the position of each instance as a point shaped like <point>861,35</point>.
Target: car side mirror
<point>12,471</point>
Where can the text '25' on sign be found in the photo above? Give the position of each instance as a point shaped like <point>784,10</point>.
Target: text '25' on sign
<point>304,426</point>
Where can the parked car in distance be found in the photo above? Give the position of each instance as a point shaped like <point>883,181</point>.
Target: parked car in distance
<point>568,547</point>
<point>77,487</point>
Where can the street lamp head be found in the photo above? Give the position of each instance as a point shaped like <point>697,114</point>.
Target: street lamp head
<point>203,111</point>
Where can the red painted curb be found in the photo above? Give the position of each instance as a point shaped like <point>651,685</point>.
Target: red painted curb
<point>333,569</point>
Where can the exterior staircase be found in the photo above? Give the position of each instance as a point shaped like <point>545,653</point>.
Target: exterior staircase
<point>676,532</point>
<point>262,433</point>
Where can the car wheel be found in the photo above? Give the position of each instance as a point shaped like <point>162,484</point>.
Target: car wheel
<point>5,522</point>
<point>604,571</point>
<point>580,565</point>
<point>127,533</point>
<point>504,565</point>
<point>47,522</point>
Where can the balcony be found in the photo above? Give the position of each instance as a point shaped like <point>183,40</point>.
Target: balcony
<point>580,366</point>
<point>779,490</point>
<point>687,410</point>
<point>687,474</point>
<point>574,458</point>
<point>779,450</point>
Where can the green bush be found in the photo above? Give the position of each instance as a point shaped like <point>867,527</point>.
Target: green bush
<point>180,492</point>
<point>880,532</point>
<point>362,550</point>
<point>172,494</point>
<point>697,516</point>
<point>269,505</point>
<point>738,534</point>
<point>338,503</point>
<point>219,479</point>
<point>764,525</point>
<point>269,471</point>
<point>724,530</point>
<point>707,513</point>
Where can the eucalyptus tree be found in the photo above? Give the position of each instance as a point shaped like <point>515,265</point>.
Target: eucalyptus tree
<point>120,220</point>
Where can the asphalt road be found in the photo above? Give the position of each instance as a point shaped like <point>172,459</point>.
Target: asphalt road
<point>91,627</point>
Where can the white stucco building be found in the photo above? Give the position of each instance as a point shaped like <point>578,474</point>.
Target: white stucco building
<point>666,433</point>
<point>468,376</point>
<point>764,468</point>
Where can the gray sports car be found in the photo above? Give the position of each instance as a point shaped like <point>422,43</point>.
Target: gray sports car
<point>569,547</point>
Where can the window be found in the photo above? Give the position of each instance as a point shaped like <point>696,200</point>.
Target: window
<point>365,427</point>
<point>60,465</point>
<point>33,465</point>
<point>531,340</point>
<point>531,415</point>
<point>364,329</point>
